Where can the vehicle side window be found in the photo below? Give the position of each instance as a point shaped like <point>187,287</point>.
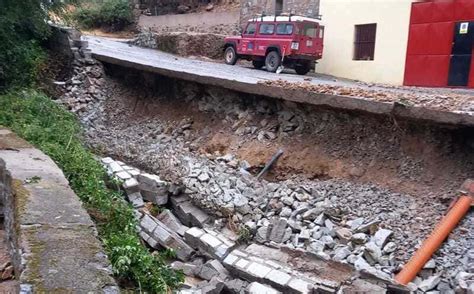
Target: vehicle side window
<point>266,29</point>
<point>251,28</point>
<point>284,29</point>
<point>309,30</point>
<point>321,32</point>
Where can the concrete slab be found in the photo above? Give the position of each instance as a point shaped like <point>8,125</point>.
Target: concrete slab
<point>263,83</point>
<point>51,238</point>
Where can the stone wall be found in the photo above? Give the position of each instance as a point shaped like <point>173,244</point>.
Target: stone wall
<point>183,44</point>
<point>8,204</point>
<point>250,8</point>
<point>225,22</point>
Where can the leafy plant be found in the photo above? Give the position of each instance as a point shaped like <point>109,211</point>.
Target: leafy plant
<point>22,28</point>
<point>55,131</point>
<point>113,14</point>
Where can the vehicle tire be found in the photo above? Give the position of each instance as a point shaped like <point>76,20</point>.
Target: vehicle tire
<point>303,69</point>
<point>258,64</point>
<point>272,61</point>
<point>230,56</point>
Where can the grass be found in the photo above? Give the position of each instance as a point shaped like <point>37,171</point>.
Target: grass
<point>56,132</point>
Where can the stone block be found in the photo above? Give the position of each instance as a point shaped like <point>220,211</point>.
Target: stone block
<point>278,277</point>
<point>136,200</point>
<point>213,268</point>
<point>148,224</point>
<point>258,271</point>
<point>114,167</point>
<point>131,186</point>
<point>192,236</point>
<point>172,222</point>
<point>278,231</point>
<point>107,160</point>
<point>258,288</point>
<point>123,175</point>
<point>155,197</point>
<point>230,259</point>
<point>300,286</point>
<point>172,241</point>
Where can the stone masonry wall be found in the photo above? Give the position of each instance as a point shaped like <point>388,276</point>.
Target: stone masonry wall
<point>250,8</point>
<point>8,205</point>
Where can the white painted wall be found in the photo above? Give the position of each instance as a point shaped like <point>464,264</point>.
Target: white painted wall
<point>392,18</point>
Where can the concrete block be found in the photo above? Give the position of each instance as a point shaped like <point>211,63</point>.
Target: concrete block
<point>148,224</point>
<point>278,277</point>
<point>300,286</point>
<point>123,175</point>
<point>257,288</point>
<point>172,222</point>
<point>230,259</point>
<point>211,243</point>
<point>172,241</point>
<point>258,270</point>
<point>114,167</point>
<point>136,200</point>
<point>107,160</point>
<point>157,198</point>
<point>192,236</point>
<point>213,268</point>
<point>131,186</point>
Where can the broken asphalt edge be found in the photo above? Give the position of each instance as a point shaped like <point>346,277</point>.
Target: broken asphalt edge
<point>396,110</point>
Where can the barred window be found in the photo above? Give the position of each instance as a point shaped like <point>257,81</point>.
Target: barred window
<point>364,43</point>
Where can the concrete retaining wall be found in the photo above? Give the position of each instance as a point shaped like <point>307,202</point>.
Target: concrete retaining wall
<point>52,240</point>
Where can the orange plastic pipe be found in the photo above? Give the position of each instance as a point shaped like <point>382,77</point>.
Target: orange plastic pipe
<point>434,241</point>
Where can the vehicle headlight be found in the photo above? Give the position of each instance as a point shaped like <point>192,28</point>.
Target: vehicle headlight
<point>295,45</point>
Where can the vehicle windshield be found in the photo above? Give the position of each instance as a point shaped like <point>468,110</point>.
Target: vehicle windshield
<point>309,30</point>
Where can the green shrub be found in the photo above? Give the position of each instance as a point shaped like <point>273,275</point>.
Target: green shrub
<point>56,132</point>
<point>111,14</point>
<point>22,28</point>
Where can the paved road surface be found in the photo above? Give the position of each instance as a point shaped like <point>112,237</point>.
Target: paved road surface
<point>437,105</point>
<point>155,58</point>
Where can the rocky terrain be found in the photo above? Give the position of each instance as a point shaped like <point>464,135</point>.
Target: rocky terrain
<point>366,201</point>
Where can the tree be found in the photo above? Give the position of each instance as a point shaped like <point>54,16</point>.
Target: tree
<point>23,26</point>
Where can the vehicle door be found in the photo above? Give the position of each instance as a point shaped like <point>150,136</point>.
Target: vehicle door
<point>309,38</point>
<point>247,46</point>
<point>265,35</point>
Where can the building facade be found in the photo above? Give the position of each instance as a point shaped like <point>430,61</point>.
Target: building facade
<point>365,39</point>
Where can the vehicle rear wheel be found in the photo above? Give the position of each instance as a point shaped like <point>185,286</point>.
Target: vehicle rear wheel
<point>303,68</point>
<point>230,56</point>
<point>258,64</point>
<point>272,61</point>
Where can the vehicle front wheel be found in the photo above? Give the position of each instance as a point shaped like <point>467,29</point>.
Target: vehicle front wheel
<point>272,61</point>
<point>230,56</point>
<point>303,69</point>
<point>258,64</point>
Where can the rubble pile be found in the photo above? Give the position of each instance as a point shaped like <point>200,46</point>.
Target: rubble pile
<point>212,253</point>
<point>449,102</point>
<point>363,226</point>
<point>291,218</point>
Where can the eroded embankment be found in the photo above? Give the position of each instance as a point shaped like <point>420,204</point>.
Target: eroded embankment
<point>408,157</point>
<point>402,174</point>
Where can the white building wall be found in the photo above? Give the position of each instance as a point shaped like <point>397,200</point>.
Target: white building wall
<point>392,18</point>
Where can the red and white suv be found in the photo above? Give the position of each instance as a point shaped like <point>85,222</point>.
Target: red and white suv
<point>272,41</point>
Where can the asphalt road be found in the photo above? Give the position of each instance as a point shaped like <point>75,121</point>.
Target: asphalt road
<point>155,58</point>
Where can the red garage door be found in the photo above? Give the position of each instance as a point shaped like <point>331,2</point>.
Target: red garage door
<point>430,41</point>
